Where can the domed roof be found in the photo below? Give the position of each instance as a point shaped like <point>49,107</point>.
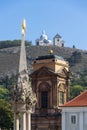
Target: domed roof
<point>43,36</point>
<point>49,41</point>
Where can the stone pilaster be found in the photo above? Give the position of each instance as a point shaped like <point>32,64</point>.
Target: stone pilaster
<point>28,121</point>
<point>23,121</point>
<point>63,121</point>
<point>81,120</point>
<point>16,121</point>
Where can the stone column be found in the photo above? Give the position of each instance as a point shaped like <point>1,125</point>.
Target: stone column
<point>16,121</point>
<point>28,121</point>
<point>23,121</point>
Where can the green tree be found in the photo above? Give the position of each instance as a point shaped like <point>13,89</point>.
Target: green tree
<point>7,85</point>
<point>75,91</point>
<point>4,93</point>
<point>14,43</point>
<point>6,115</point>
<point>80,79</point>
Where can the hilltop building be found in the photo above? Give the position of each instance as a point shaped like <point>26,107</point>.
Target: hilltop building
<point>43,40</point>
<point>50,81</point>
<point>57,41</point>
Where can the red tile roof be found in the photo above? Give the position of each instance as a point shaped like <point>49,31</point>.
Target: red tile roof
<point>79,101</point>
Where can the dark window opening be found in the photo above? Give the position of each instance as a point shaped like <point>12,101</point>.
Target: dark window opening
<point>73,119</point>
<point>58,40</point>
<point>61,97</point>
<point>37,43</point>
<point>44,99</point>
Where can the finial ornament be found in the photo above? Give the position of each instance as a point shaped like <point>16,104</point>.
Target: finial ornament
<point>51,52</point>
<point>23,27</point>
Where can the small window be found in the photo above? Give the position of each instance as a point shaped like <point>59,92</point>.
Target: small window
<point>73,119</point>
<point>58,40</point>
<point>37,43</point>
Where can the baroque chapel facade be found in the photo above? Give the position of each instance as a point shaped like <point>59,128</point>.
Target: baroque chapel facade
<point>50,81</point>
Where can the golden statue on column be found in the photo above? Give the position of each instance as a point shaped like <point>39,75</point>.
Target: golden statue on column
<point>24,99</point>
<point>23,27</point>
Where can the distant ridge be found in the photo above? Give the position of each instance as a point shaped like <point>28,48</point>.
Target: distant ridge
<point>9,58</point>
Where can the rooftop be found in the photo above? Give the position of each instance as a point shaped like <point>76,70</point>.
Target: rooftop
<point>79,101</point>
<point>50,57</point>
<point>57,35</point>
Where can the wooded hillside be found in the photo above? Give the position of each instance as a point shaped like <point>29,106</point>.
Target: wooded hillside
<point>9,58</point>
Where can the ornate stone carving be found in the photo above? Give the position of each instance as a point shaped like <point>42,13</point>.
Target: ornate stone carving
<point>23,92</point>
<point>61,87</point>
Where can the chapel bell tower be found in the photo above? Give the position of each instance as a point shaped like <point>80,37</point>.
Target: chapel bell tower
<point>50,81</point>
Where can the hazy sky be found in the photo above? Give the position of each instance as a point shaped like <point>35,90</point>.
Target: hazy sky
<point>65,17</point>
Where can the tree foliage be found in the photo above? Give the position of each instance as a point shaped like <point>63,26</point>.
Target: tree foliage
<point>6,115</point>
<point>14,43</point>
<point>7,84</point>
<point>4,93</point>
<point>80,79</point>
<point>78,84</point>
<point>75,91</point>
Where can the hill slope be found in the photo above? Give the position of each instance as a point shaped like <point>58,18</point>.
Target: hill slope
<point>9,58</point>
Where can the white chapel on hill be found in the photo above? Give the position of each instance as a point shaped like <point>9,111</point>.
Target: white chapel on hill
<point>44,41</point>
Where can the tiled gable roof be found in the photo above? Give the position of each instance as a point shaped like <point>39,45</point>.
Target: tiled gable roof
<point>79,101</point>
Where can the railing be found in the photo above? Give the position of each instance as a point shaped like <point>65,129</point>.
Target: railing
<point>48,111</point>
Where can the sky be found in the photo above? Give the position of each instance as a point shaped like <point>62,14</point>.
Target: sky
<point>68,18</point>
